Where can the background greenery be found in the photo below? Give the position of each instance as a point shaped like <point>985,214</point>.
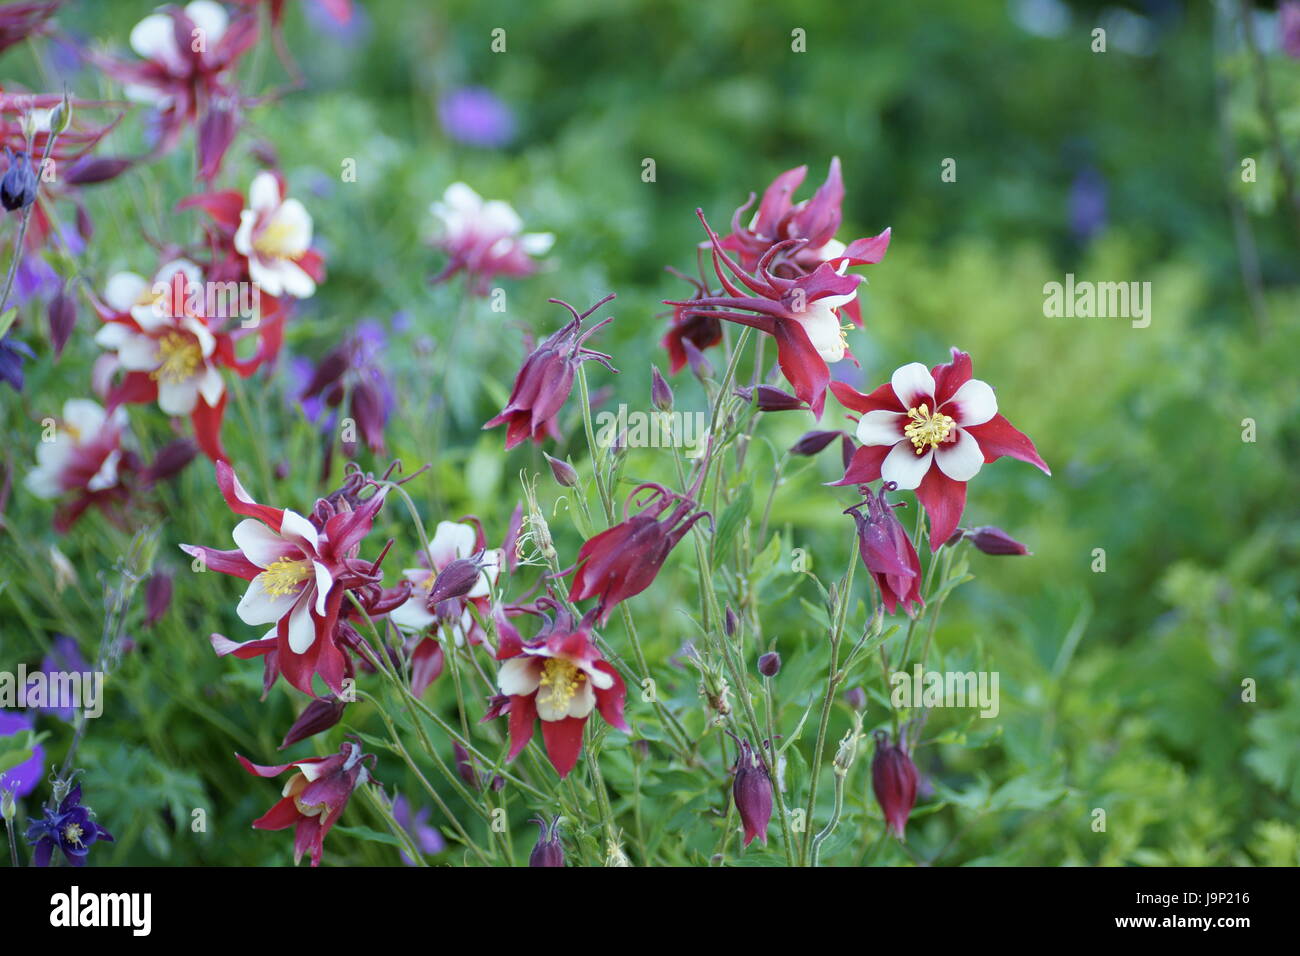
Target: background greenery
<point>1120,690</point>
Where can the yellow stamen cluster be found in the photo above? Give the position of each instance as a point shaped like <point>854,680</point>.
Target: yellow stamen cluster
<point>925,430</point>
<point>274,240</point>
<point>285,576</point>
<point>559,684</point>
<point>179,358</point>
<point>72,834</point>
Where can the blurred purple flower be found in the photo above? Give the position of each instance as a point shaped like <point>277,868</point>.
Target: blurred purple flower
<point>12,355</point>
<point>23,778</point>
<point>64,657</point>
<point>477,117</point>
<point>427,838</point>
<point>1288,24</point>
<point>1087,204</point>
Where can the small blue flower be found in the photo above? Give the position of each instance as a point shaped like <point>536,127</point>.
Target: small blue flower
<point>70,828</point>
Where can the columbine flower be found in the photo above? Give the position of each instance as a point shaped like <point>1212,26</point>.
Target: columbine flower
<point>814,221</point>
<point>484,239</point>
<point>451,542</point>
<point>887,552</point>
<point>893,780</point>
<point>546,379</point>
<point>298,574</point>
<point>426,837</point>
<point>752,792</point>
<point>476,116</point>
<point>70,828</point>
<point>622,561</point>
<point>931,430</point>
<point>559,677</point>
<point>802,313</point>
<point>12,355</point>
<point>86,460</point>
<point>275,235</point>
<point>21,779</point>
<point>186,56</point>
<point>314,797</point>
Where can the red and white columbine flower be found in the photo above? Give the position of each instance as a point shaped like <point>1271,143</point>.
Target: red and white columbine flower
<point>931,430</point>
<point>86,459</point>
<point>314,797</point>
<point>485,239</point>
<point>452,541</point>
<point>275,235</point>
<point>298,576</point>
<point>558,677</point>
<point>154,331</point>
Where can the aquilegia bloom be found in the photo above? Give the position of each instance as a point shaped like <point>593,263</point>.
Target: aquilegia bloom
<point>546,379</point>
<point>622,561</point>
<point>71,828</point>
<point>484,239</point>
<point>894,780</point>
<point>298,576</point>
<point>87,461</point>
<point>314,797</point>
<point>887,552</point>
<point>559,677</point>
<point>931,430</point>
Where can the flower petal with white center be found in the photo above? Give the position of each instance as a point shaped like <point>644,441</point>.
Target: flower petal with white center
<point>258,606</point>
<point>599,678</point>
<point>302,629</point>
<point>178,398</point>
<point>822,325</point>
<point>83,415</point>
<point>962,459</point>
<point>211,386</point>
<point>264,193</point>
<point>583,702</point>
<point>154,38</point>
<point>210,17</point>
<point>904,466</point>
<point>294,525</point>
<point>913,384</point>
<point>450,541</point>
<point>519,676</point>
<point>106,476</point>
<point>412,615</point>
<point>881,427</point>
<point>124,290</point>
<point>324,581</point>
<point>972,404</point>
<point>261,545</point>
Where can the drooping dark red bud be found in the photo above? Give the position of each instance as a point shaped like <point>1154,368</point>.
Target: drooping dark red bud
<point>888,552</point>
<point>730,623</point>
<point>856,698</point>
<point>89,170</point>
<point>812,442</point>
<point>847,447</point>
<point>771,399</point>
<point>992,540</point>
<point>465,765</point>
<point>85,225</point>
<point>548,851</point>
<point>317,717</point>
<point>893,780</point>
<point>62,318</point>
<point>157,597</point>
<point>769,665</point>
<point>752,792</point>
<point>171,460</point>
<point>454,581</point>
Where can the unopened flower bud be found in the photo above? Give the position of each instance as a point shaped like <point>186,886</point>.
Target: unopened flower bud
<point>8,805</point>
<point>563,473</point>
<point>813,442</point>
<point>893,779</point>
<point>856,698</point>
<point>771,399</point>
<point>317,717</point>
<point>548,851</point>
<point>465,765</point>
<point>454,581</point>
<point>769,665</point>
<point>993,540</point>
<point>18,186</point>
<point>660,392</point>
<point>730,623</point>
<point>157,597</point>
<point>752,793</point>
<point>171,460</point>
<point>62,315</point>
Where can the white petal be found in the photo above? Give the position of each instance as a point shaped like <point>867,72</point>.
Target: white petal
<point>412,615</point>
<point>904,466</point>
<point>264,193</point>
<point>294,279</point>
<point>106,477</point>
<point>178,398</point>
<point>85,416</point>
<point>962,459</point>
<point>913,384</point>
<point>259,607</point>
<point>260,544</point>
<point>294,525</point>
<point>302,629</point>
<point>450,541</point>
<point>292,217</point>
<point>211,386</point>
<point>519,676</point>
<point>265,275</point>
<point>881,427</point>
<point>124,290</point>
<point>155,39</point>
<point>972,404</point>
<point>210,17</point>
<point>598,678</point>
<point>138,353</point>
<point>324,581</point>
<point>244,234</point>
<point>823,328</point>
<point>584,701</point>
